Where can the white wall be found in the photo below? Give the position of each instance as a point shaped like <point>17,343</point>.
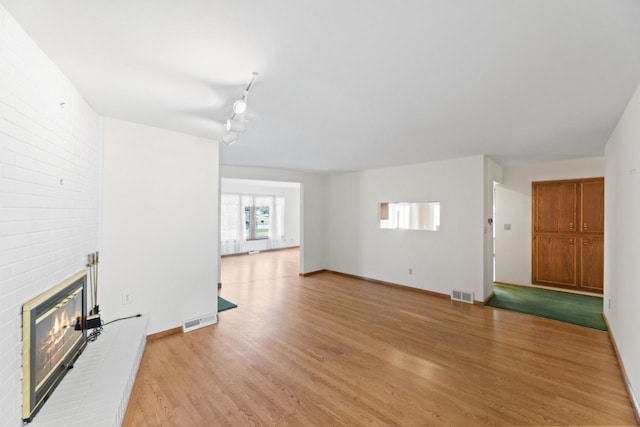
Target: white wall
<point>46,229</point>
<point>160,224</point>
<point>622,239</point>
<point>451,258</point>
<point>291,194</point>
<point>312,238</point>
<point>513,206</point>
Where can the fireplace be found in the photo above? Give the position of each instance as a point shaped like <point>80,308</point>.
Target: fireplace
<point>53,337</point>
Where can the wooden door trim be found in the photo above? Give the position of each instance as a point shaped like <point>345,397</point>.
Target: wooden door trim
<point>561,181</point>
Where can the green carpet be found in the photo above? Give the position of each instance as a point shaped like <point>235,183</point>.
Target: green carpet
<point>223,304</point>
<point>570,308</point>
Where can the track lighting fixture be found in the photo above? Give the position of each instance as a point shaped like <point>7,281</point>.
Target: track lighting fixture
<point>240,106</point>
<point>233,126</point>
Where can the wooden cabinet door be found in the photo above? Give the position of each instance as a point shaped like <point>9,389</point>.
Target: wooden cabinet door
<point>592,263</point>
<point>555,259</point>
<point>555,206</point>
<point>592,206</point>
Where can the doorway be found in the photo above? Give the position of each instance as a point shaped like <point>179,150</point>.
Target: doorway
<point>258,216</point>
<point>516,246</point>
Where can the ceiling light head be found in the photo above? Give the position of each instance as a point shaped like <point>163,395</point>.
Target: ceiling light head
<point>230,138</point>
<point>236,126</point>
<point>240,106</point>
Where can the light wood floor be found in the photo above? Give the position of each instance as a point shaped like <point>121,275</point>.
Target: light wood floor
<point>328,350</point>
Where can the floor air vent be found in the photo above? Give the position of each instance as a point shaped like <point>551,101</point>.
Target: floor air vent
<point>199,322</point>
<point>462,296</point>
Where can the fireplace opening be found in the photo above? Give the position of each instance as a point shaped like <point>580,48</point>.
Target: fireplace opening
<point>53,336</point>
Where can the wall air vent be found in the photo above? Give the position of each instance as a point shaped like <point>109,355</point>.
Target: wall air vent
<point>462,296</point>
<point>199,322</point>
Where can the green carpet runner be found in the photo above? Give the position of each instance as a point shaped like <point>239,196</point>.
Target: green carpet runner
<point>223,304</point>
<point>570,308</point>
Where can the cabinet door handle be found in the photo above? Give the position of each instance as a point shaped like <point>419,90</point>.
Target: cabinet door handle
<point>584,226</point>
<point>572,242</point>
<point>585,242</point>
<point>571,226</point>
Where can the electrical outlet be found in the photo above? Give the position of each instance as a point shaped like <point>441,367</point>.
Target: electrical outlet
<point>411,271</point>
<point>126,297</point>
<point>609,303</point>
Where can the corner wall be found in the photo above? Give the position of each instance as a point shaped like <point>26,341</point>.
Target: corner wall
<point>160,224</point>
<point>622,240</point>
<point>49,191</point>
<point>451,258</point>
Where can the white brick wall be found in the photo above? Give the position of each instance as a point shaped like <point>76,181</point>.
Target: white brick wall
<point>46,228</point>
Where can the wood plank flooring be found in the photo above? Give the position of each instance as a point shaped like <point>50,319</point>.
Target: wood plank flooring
<point>330,350</point>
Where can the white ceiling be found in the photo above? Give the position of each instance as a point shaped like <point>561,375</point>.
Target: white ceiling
<point>347,85</point>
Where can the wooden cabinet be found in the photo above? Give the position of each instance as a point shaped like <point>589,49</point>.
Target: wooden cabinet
<point>567,227</point>
<point>557,259</point>
<point>592,207</point>
<point>555,207</point>
<point>591,263</point>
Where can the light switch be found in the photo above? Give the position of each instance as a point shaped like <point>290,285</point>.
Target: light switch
<point>507,226</point>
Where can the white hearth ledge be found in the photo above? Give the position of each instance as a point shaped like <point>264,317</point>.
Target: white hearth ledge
<point>96,391</point>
